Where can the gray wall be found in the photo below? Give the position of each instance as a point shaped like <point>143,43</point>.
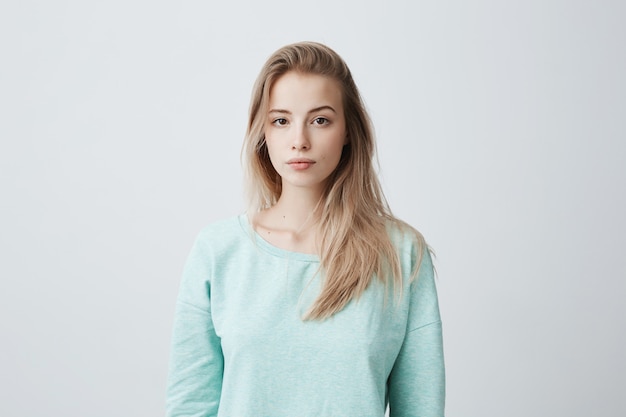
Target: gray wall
<point>501,126</point>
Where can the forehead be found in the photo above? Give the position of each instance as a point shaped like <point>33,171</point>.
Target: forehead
<point>302,91</point>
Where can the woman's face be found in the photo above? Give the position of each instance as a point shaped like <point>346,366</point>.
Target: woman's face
<point>305,129</point>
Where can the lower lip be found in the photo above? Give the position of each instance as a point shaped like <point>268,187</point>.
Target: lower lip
<point>299,166</point>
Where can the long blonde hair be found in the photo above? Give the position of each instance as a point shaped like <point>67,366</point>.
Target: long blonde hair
<point>354,242</point>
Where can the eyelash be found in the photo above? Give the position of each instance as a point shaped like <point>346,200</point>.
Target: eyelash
<point>319,121</point>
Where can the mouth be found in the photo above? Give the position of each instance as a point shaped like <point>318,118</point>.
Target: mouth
<point>300,163</point>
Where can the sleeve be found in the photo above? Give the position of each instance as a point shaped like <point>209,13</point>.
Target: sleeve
<point>417,381</point>
<point>196,362</point>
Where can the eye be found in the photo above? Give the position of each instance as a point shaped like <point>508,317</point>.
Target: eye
<point>321,121</point>
<point>280,122</point>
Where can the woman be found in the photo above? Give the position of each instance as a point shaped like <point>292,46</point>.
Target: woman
<point>318,302</point>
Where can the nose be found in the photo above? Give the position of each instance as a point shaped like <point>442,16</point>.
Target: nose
<point>300,140</point>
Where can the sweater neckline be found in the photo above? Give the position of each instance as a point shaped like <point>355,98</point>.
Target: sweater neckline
<point>246,225</point>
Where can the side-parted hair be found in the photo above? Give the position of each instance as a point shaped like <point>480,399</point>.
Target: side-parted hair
<point>354,243</point>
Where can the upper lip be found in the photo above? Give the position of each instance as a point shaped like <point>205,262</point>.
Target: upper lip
<point>300,161</point>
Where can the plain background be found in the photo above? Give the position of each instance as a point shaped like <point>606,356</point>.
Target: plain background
<point>501,131</point>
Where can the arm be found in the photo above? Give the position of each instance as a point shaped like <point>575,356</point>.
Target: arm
<point>196,362</point>
<point>417,380</point>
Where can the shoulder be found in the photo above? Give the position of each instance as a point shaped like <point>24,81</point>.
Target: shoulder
<point>220,236</point>
<point>405,238</point>
<point>413,251</point>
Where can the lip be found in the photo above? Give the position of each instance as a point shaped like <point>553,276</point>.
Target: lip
<point>300,163</point>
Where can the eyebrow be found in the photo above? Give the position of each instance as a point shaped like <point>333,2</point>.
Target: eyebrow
<point>320,108</point>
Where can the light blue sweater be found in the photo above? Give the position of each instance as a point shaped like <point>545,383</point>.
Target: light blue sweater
<point>241,349</point>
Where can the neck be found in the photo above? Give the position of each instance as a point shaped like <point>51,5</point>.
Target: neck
<point>297,209</point>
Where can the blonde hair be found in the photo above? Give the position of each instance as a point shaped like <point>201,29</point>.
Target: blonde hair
<point>354,242</point>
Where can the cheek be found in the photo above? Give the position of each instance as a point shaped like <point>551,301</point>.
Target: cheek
<point>271,151</point>
<point>272,155</point>
<point>270,144</point>
<point>338,151</point>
